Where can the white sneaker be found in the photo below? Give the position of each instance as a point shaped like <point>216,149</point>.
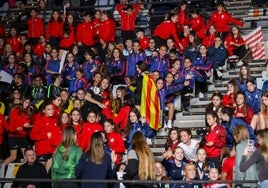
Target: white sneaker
<point>201,95</point>
<point>149,141</point>
<point>169,125</point>
<point>239,63</point>
<point>219,74</point>
<point>233,57</point>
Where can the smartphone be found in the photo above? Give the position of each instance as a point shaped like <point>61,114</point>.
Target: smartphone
<point>251,146</point>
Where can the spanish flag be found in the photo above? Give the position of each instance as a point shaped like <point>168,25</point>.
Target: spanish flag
<point>150,103</point>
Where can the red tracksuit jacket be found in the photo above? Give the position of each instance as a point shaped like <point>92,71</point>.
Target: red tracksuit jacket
<point>14,41</point>
<point>85,33</point>
<point>35,27</point>
<point>222,20</point>
<point>87,130</point>
<point>54,29</point>
<point>121,119</point>
<point>128,20</point>
<point>218,137</point>
<point>230,48</point>
<point>116,143</point>
<point>165,30</point>
<point>107,30</point>
<point>198,25</point>
<point>43,126</point>
<point>17,120</point>
<point>70,40</point>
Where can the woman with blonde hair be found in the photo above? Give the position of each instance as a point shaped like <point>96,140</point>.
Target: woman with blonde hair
<point>259,157</point>
<point>66,159</point>
<point>140,163</point>
<point>241,136</point>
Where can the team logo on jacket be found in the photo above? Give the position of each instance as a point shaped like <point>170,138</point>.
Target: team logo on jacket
<point>112,140</point>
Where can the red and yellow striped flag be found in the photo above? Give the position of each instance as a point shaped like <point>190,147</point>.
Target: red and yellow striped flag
<point>150,104</point>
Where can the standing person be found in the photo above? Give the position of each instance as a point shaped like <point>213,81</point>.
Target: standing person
<point>182,14</point>
<point>46,134</point>
<point>167,29</point>
<point>241,137</point>
<point>35,27</point>
<point>140,163</point>
<point>54,29</point>
<point>221,19</point>
<point>95,163</point>
<point>128,15</point>
<point>66,158</point>
<point>259,157</point>
<point>214,140</point>
<point>31,169</point>
<point>19,124</point>
<point>68,33</point>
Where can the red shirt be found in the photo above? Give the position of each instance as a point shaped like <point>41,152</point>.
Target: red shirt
<point>85,33</point>
<point>107,30</point>
<point>228,167</point>
<point>87,130</point>
<point>228,100</point>
<point>222,20</point>
<point>183,20</point>
<point>217,135</point>
<point>54,29</point>
<point>144,43</point>
<point>198,25</point>
<point>17,120</point>
<point>116,143</point>
<point>165,30</point>
<point>39,49</point>
<point>128,19</point>
<point>35,27</point>
<point>209,40</point>
<point>14,41</point>
<point>122,117</point>
<point>69,40</point>
<point>230,48</point>
<point>248,116</point>
<point>39,134</point>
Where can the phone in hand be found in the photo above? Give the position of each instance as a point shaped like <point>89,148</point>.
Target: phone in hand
<point>251,146</point>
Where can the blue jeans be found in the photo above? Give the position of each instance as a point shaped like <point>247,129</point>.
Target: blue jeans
<point>264,184</point>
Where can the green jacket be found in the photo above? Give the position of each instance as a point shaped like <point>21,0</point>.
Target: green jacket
<point>65,169</point>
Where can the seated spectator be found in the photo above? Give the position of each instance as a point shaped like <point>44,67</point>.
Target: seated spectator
<point>189,175</point>
<point>244,74</point>
<point>218,54</point>
<point>228,99</point>
<point>214,175</point>
<point>197,23</point>
<point>33,170</point>
<point>192,49</point>
<point>160,62</point>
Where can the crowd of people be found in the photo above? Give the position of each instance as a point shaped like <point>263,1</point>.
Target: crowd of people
<point>73,106</point>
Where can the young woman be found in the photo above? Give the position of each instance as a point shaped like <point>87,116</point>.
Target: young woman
<point>172,142</point>
<point>141,163</point>
<point>19,125</point>
<point>95,163</point>
<point>68,33</point>
<point>188,145</point>
<point>203,165</point>
<point>241,137</point>
<point>244,75</point>
<point>214,175</point>
<point>214,140</point>
<point>137,123</point>
<point>216,102</point>
<point>260,158</point>
<point>66,159</point>
<point>228,99</point>
<point>46,134</point>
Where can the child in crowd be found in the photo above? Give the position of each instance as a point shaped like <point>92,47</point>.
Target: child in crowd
<point>69,70</point>
<point>118,100</point>
<point>45,133</point>
<point>203,165</point>
<point>114,140</point>
<point>64,120</point>
<point>188,145</point>
<point>90,64</point>
<point>244,75</point>
<point>216,102</point>
<point>161,62</point>
<point>174,167</point>
<point>228,167</point>
<point>53,65</point>
<point>79,82</point>
<point>253,95</point>
<point>137,123</point>
<point>214,175</point>
<point>214,140</point>
<point>173,139</point>
<point>128,49</point>
<point>76,122</point>
<point>88,128</point>
<point>228,99</point>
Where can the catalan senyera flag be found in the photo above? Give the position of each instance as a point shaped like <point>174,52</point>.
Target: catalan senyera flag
<point>150,103</point>
<point>254,40</point>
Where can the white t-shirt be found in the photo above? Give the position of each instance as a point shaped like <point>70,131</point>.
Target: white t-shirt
<point>189,151</point>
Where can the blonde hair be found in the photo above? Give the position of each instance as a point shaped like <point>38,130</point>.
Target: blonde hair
<point>241,133</point>
<point>145,155</point>
<point>96,151</point>
<point>264,144</point>
<point>263,107</point>
<point>68,140</point>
